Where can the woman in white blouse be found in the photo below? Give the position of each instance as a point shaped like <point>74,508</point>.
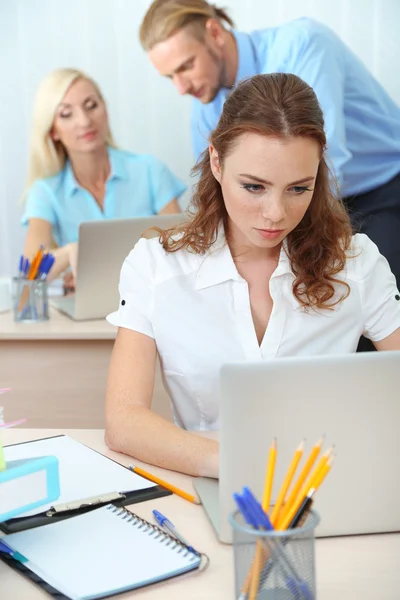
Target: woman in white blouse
<point>266,268</point>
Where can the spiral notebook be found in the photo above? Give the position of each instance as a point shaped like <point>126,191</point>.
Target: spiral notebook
<point>100,553</point>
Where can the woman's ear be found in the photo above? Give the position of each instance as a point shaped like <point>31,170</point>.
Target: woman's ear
<point>54,136</point>
<point>214,163</point>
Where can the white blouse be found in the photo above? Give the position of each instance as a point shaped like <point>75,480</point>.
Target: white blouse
<point>197,309</point>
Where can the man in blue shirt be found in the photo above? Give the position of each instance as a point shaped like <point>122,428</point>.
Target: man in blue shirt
<point>187,41</point>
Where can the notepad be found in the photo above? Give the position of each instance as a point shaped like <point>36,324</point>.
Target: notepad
<point>84,473</point>
<point>106,551</point>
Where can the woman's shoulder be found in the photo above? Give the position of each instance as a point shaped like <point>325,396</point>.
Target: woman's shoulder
<point>362,256</point>
<point>151,260</point>
<point>126,157</point>
<point>47,185</point>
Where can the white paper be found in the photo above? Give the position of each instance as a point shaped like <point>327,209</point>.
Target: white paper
<point>83,472</point>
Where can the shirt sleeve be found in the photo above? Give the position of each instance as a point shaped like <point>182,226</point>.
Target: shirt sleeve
<point>318,64</point>
<point>165,185</point>
<point>136,291</point>
<point>380,297</point>
<point>39,204</point>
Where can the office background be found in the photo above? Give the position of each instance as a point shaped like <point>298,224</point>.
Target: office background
<point>146,113</point>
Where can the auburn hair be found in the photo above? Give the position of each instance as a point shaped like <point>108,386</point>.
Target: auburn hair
<point>277,105</point>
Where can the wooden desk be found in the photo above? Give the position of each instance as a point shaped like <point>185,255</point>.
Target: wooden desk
<point>351,568</point>
<point>57,371</point>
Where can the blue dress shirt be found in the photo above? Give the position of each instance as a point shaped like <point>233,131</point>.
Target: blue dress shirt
<point>139,185</point>
<point>362,123</point>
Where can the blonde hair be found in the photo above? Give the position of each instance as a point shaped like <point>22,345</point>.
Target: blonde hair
<point>47,156</point>
<point>166,17</point>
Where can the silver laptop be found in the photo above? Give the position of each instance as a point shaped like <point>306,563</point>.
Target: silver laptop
<point>103,246</point>
<point>353,400</point>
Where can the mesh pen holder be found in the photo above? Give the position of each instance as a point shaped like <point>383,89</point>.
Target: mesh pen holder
<point>30,302</point>
<point>286,560</point>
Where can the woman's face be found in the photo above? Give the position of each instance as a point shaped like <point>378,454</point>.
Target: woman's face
<point>81,122</point>
<point>267,184</point>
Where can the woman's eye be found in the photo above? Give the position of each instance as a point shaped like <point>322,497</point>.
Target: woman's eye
<point>65,115</point>
<point>298,189</point>
<point>252,187</point>
<point>91,105</point>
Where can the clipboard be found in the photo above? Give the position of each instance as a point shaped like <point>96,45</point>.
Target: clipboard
<point>81,503</point>
<point>28,574</point>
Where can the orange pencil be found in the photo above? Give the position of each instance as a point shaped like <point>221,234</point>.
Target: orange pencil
<point>302,477</point>
<point>168,486</point>
<point>286,482</point>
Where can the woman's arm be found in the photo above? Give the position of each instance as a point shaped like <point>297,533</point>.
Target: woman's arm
<point>391,342</point>
<point>40,234</point>
<point>131,426</point>
<point>170,208</point>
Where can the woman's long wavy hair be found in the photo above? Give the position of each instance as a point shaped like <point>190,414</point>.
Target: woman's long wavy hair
<point>279,105</point>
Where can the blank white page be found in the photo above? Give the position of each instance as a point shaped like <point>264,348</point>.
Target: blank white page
<point>83,472</point>
<point>105,551</point>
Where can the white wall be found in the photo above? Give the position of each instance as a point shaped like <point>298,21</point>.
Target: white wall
<point>147,115</point>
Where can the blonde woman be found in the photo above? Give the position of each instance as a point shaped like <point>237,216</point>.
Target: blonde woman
<point>77,174</point>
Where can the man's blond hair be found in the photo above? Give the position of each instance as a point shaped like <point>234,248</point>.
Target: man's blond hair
<point>166,17</point>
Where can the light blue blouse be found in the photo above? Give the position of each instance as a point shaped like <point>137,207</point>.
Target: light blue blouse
<point>139,185</point>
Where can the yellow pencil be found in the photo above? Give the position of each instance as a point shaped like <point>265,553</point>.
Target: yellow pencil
<point>286,483</point>
<point>269,477</point>
<point>256,571</point>
<point>253,578</point>
<point>323,473</point>
<point>301,479</point>
<point>168,486</point>
<point>317,477</point>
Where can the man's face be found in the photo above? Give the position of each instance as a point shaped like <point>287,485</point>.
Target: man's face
<point>195,67</point>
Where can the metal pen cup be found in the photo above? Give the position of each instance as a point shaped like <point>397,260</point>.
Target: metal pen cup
<point>288,559</point>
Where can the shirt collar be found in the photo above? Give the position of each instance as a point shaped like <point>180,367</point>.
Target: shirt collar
<point>247,60</point>
<point>117,163</point>
<point>118,171</point>
<point>218,266</point>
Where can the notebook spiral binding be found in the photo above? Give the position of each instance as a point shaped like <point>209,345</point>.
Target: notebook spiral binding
<point>157,532</point>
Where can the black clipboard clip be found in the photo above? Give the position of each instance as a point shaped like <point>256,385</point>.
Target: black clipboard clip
<point>59,509</point>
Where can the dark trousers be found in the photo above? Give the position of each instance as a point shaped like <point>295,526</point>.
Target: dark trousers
<point>377,214</point>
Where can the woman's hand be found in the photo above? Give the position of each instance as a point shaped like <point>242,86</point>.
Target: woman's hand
<point>69,283</point>
<point>72,253</point>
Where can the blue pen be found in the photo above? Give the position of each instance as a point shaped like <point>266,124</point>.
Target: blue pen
<point>21,266</point>
<point>5,549</point>
<point>294,582</point>
<point>45,266</point>
<point>166,524</point>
